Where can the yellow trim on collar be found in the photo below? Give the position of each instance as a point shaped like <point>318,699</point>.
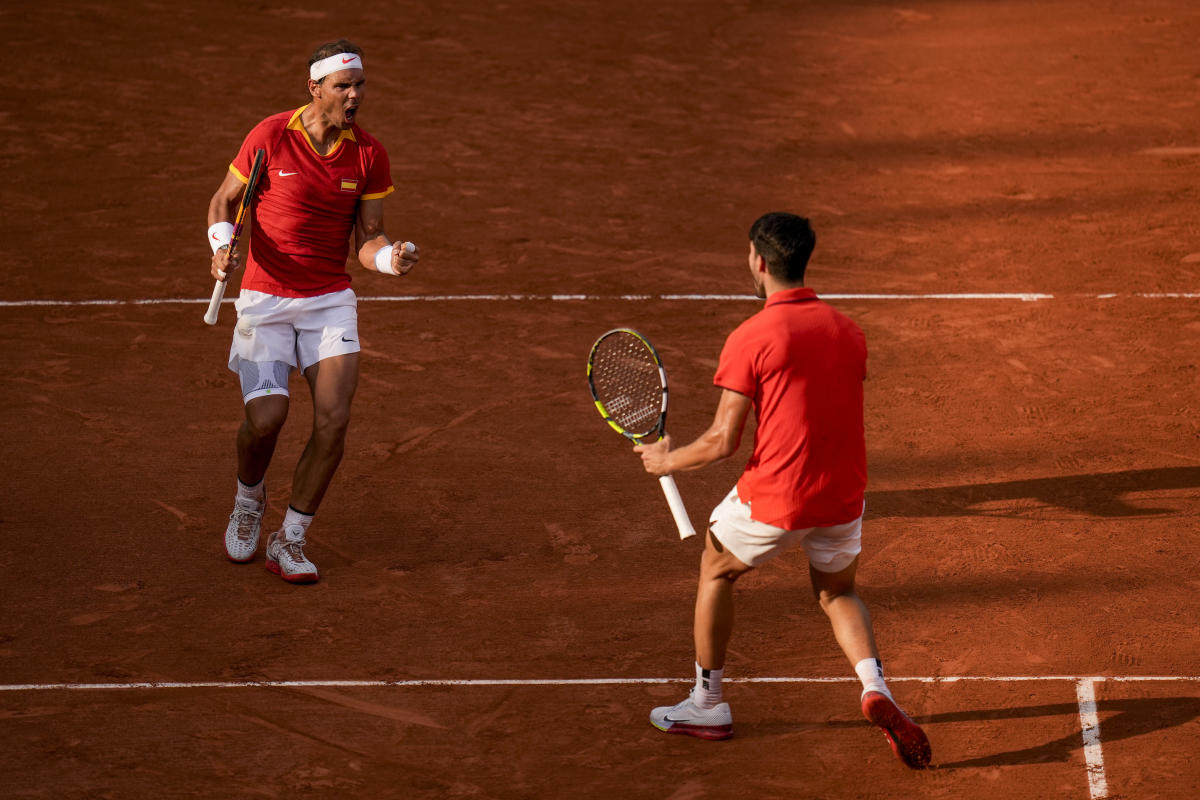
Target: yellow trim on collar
<point>296,125</point>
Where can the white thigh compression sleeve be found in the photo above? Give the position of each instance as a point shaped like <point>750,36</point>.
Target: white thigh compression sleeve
<point>262,378</point>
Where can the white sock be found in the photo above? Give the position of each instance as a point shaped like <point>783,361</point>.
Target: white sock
<point>870,672</point>
<point>250,496</point>
<point>708,687</point>
<point>293,518</point>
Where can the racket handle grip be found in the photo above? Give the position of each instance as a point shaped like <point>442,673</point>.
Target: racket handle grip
<point>677,509</point>
<point>214,305</point>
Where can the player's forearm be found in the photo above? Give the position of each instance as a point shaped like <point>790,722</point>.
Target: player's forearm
<point>369,249</point>
<point>712,446</point>
<point>220,233</point>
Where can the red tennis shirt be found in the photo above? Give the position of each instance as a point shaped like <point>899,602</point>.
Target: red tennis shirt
<point>803,365</point>
<point>306,204</point>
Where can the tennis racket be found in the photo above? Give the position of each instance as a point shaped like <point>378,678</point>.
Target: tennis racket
<point>214,305</point>
<point>629,385</point>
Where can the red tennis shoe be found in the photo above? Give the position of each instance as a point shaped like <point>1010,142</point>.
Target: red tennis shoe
<point>908,741</point>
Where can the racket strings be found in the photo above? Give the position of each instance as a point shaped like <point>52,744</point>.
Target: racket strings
<point>628,383</point>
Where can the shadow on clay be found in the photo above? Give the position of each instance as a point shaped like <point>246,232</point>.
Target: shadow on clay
<point>1119,719</point>
<point>1096,495</point>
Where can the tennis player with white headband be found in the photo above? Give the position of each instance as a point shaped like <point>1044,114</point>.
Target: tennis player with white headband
<point>323,182</point>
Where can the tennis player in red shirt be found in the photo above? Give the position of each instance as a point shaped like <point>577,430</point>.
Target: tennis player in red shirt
<point>800,365</point>
<point>323,182</point>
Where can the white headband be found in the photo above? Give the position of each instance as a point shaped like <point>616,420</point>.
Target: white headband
<point>335,63</point>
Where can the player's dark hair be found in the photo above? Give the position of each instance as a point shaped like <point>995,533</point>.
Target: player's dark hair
<point>786,242</point>
<point>332,49</point>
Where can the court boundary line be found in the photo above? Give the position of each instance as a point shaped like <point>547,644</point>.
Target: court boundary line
<point>435,682</point>
<point>1027,297</point>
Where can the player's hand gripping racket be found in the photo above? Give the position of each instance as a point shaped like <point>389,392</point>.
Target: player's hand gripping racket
<point>214,305</point>
<point>629,385</point>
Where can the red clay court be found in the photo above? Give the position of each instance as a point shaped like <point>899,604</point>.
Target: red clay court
<point>1004,195</point>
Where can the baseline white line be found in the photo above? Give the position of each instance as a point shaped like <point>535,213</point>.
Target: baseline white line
<point>26,687</point>
<point>640,298</point>
<point>1026,297</point>
<point>459,298</point>
<point>333,683</point>
<point>1093,755</point>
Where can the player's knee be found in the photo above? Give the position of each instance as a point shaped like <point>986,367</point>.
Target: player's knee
<point>265,419</point>
<point>723,567</point>
<point>331,423</point>
<point>828,595</point>
<point>829,588</point>
<point>833,575</point>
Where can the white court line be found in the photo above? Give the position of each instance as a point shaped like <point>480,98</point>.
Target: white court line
<point>1085,693</point>
<point>640,298</point>
<point>1077,679</point>
<point>1093,756</point>
<point>510,298</point>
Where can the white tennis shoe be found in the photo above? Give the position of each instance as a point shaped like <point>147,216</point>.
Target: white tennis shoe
<point>285,556</point>
<point>690,719</point>
<point>242,532</point>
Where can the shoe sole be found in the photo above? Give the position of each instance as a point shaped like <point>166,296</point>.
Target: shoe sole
<point>299,577</point>
<point>908,741</point>
<point>713,733</point>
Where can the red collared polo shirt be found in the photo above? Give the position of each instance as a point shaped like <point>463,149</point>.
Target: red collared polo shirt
<point>306,204</point>
<point>803,365</point>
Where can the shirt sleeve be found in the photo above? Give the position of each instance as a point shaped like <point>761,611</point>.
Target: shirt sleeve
<point>244,160</point>
<point>735,371</point>
<point>379,175</point>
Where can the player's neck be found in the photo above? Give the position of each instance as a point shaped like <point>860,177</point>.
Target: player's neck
<point>773,286</point>
<point>321,131</point>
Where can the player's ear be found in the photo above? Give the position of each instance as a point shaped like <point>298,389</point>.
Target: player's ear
<point>314,88</point>
<point>755,259</point>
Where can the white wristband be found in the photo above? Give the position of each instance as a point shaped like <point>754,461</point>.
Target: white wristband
<point>383,260</point>
<point>219,235</point>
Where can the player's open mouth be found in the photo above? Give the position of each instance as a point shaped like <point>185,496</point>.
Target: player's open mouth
<point>351,111</point>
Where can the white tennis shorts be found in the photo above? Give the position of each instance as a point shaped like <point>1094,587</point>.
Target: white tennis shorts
<point>754,543</point>
<point>275,334</point>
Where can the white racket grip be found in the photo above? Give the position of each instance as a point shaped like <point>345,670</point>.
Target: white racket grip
<point>677,509</point>
<point>214,305</point>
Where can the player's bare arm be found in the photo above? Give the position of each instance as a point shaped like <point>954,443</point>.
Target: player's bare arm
<point>377,252</point>
<point>721,440</point>
<point>223,208</point>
